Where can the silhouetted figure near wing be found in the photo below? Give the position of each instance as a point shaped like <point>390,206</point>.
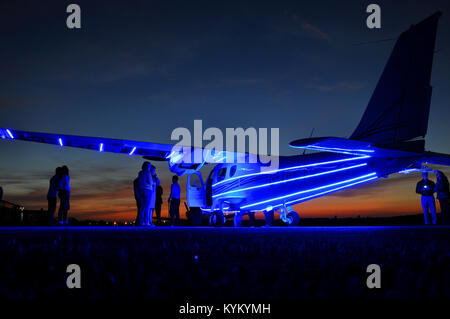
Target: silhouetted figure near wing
<point>52,195</point>
<point>251,219</point>
<point>174,201</point>
<point>158,201</point>
<point>443,194</point>
<point>426,188</point>
<point>153,197</point>
<point>1,193</point>
<point>64,195</point>
<point>145,190</point>
<point>138,201</point>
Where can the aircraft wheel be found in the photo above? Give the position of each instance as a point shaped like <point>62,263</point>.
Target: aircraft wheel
<point>217,219</point>
<point>293,219</point>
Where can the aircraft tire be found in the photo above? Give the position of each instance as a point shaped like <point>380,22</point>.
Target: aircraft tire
<point>294,219</point>
<point>216,219</point>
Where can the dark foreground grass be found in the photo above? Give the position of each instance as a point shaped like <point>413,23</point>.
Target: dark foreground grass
<point>227,263</point>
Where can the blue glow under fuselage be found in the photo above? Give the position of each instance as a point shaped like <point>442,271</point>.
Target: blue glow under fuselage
<point>298,179</point>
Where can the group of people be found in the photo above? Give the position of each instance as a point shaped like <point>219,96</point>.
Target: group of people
<point>59,188</point>
<point>148,194</point>
<point>426,188</point>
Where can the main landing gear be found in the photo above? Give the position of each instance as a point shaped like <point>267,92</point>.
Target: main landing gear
<point>287,215</point>
<point>217,219</point>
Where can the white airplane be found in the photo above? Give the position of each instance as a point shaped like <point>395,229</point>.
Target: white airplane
<point>389,139</point>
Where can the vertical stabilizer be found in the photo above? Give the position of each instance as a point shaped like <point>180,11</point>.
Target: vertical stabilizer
<point>399,107</point>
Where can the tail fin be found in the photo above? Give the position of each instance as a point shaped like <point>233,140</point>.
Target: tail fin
<point>399,107</point>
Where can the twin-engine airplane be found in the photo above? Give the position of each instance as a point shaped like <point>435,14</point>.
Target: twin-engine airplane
<point>389,139</point>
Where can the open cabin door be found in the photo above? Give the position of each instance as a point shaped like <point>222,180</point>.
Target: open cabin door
<point>195,190</point>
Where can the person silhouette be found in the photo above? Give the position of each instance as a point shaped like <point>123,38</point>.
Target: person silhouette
<point>443,194</point>
<point>138,201</point>
<point>145,188</point>
<point>1,193</point>
<point>174,201</point>
<point>153,197</point>
<point>426,188</point>
<point>64,195</point>
<point>158,201</point>
<point>52,195</point>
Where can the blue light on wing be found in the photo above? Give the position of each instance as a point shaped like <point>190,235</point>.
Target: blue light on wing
<point>9,134</point>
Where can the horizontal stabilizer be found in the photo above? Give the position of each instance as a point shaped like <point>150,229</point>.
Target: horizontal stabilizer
<point>334,144</point>
<point>436,158</point>
<point>354,147</point>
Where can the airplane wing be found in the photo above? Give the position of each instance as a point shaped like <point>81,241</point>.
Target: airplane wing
<point>149,150</point>
<point>91,143</point>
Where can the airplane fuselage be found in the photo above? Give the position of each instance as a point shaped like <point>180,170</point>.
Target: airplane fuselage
<point>245,187</point>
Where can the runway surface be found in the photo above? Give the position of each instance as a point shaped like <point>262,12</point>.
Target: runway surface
<point>220,263</point>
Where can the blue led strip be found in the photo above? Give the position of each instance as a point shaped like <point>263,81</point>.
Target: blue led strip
<point>294,167</point>
<point>327,192</point>
<point>311,190</point>
<point>339,149</point>
<point>9,134</point>
<point>292,179</point>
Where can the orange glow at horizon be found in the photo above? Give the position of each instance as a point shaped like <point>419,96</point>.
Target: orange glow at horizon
<point>385,197</point>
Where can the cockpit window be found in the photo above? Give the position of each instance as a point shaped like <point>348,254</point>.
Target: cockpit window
<point>232,170</point>
<point>221,174</point>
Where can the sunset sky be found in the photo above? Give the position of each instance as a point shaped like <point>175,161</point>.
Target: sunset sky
<point>139,69</point>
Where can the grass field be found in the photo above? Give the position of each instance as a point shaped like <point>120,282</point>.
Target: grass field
<point>220,263</point>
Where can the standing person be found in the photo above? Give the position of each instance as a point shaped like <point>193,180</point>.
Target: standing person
<point>1,193</point>
<point>159,201</point>
<point>64,195</point>
<point>443,194</point>
<point>145,194</point>
<point>138,201</point>
<point>174,201</point>
<point>52,195</point>
<point>153,198</point>
<point>251,218</point>
<point>426,188</point>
